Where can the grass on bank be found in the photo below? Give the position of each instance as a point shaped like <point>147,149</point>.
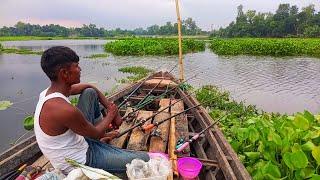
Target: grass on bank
<point>271,146</point>
<point>19,51</point>
<point>267,46</point>
<point>28,38</point>
<point>138,72</point>
<point>96,56</point>
<point>147,46</point>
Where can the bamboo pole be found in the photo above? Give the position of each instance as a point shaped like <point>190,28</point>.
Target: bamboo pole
<point>171,148</point>
<point>181,69</point>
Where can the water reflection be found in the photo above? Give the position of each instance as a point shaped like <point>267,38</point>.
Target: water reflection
<point>285,85</point>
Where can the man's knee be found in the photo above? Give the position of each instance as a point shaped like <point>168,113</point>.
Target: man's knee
<point>89,92</point>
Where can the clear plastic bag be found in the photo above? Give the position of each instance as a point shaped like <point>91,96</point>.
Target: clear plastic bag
<point>156,167</point>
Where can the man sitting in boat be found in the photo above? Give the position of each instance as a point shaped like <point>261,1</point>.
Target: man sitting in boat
<point>64,131</point>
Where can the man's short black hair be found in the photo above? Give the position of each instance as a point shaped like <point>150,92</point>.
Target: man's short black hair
<point>55,58</point>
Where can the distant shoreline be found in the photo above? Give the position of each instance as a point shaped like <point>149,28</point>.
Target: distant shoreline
<point>29,38</point>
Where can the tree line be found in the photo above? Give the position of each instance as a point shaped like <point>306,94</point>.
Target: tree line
<point>189,27</point>
<point>288,21</point>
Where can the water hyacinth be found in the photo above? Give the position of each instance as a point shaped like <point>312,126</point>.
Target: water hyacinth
<point>266,47</point>
<point>156,47</point>
<point>271,146</point>
<point>138,72</point>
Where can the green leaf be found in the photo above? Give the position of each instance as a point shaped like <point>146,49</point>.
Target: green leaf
<point>28,123</point>
<point>291,118</point>
<point>287,160</point>
<point>275,138</point>
<point>5,104</point>
<point>309,116</point>
<point>296,147</point>
<point>301,122</point>
<point>272,170</point>
<point>253,134</point>
<point>235,145</point>
<point>299,159</point>
<point>269,177</point>
<point>308,146</point>
<point>260,147</point>
<point>315,177</point>
<point>298,174</point>
<point>316,154</point>
<point>74,101</point>
<point>307,172</point>
<point>252,155</point>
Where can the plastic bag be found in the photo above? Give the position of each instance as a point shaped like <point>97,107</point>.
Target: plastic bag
<point>53,175</point>
<point>156,167</point>
<point>76,174</point>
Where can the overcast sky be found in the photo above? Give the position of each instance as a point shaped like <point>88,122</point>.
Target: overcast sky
<point>132,14</point>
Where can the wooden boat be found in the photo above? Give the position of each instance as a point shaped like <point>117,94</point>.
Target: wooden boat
<point>218,158</point>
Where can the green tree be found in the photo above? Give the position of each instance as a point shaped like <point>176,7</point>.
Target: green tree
<point>312,31</point>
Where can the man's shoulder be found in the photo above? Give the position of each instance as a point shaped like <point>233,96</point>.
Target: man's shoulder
<point>59,106</point>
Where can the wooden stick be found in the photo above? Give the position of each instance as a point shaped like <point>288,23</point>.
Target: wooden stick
<point>172,145</point>
<point>180,42</point>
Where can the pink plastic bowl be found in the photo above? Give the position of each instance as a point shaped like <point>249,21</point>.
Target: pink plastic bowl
<point>189,167</point>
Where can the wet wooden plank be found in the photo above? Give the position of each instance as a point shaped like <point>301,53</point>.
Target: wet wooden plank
<point>182,131</point>
<point>19,157</point>
<point>119,142</point>
<point>159,144</point>
<point>138,139</point>
<point>42,162</point>
<point>17,147</point>
<point>164,83</point>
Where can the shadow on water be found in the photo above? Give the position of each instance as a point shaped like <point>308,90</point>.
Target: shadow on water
<point>285,85</point>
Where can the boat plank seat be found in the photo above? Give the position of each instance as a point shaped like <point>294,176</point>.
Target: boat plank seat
<point>138,139</point>
<point>119,142</point>
<point>164,83</point>
<point>159,143</point>
<point>42,162</point>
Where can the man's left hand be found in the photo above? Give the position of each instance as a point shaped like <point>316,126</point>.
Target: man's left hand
<point>109,136</point>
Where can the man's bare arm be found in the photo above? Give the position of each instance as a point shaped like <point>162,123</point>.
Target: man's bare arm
<point>73,119</point>
<point>78,88</point>
<point>111,107</point>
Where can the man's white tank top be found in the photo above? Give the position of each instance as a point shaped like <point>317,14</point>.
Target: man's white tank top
<point>57,148</point>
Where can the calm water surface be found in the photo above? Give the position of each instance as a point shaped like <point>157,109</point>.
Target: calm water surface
<point>285,85</point>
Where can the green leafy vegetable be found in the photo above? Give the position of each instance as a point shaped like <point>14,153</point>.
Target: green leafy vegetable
<point>28,123</point>
<point>5,104</point>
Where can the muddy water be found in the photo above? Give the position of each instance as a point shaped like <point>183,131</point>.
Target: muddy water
<point>285,85</point>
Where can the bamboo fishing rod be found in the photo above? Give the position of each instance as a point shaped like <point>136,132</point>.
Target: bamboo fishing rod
<point>151,117</point>
<point>149,93</point>
<point>157,97</point>
<point>127,98</point>
<point>150,126</point>
<point>168,107</point>
<point>195,137</point>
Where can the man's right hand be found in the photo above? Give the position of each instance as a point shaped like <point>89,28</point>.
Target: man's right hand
<point>112,111</point>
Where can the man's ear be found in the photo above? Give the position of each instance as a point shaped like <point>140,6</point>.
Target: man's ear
<point>63,73</point>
